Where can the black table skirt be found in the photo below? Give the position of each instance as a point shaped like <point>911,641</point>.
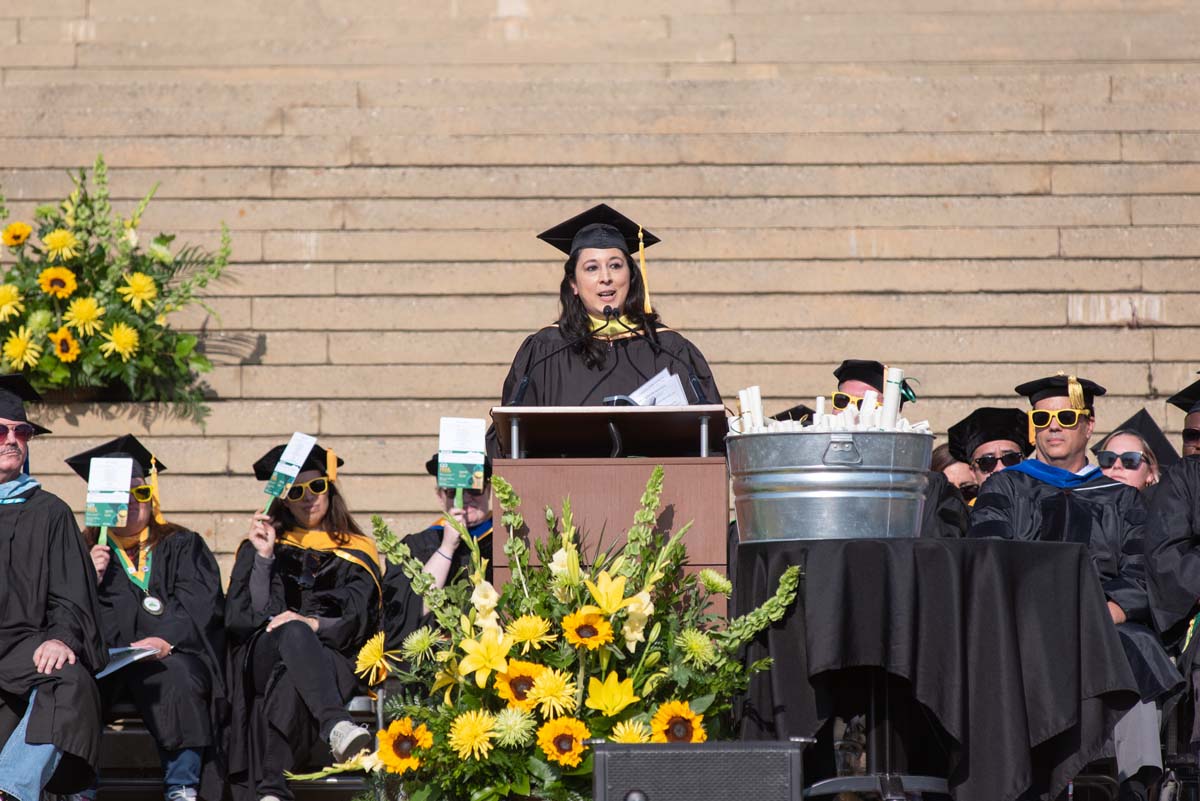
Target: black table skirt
<point>1008,645</point>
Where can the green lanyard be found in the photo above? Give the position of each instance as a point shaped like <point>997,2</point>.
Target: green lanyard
<point>140,578</point>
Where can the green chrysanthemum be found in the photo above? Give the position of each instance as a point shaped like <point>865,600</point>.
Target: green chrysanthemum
<point>714,582</point>
<point>514,728</point>
<point>418,646</point>
<point>697,647</point>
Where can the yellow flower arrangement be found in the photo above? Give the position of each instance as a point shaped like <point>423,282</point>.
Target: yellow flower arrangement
<point>675,722</point>
<point>562,739</point>
<point>20,350</point>
<point>66,347</point>
<point>471,734</point>
<point>374,661</point>
<point>16,234</point>
<point>485,655</point>
<point>530,631</point>
<point>139,288</point>
<point>61,245</point>
<point>553,693</point>
<point>630,731</point>
<point>514,684</point>
<point>610,696</point>
<point>10,302</point>
<point>399,742</point>
<point>84,315</point>
<point>122,340</point>
<point>587,629</point>
<point>608,593</point>
<point>57,282</point>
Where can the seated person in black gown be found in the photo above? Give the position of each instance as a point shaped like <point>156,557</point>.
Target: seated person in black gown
<point>987,441</point>
<point>440,548</point>
<point>1188,400</point>
<point>50,639</point>
<point>160,588</point>
<point>1059,497</point>
<point>304,597</point>
<point>608,340</point>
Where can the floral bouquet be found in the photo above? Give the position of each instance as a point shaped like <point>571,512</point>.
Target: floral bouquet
<point>84,305</point>
<point>505,694</point>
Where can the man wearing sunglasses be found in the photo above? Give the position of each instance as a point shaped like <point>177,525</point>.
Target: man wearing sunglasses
<point>1188,399</point>
<point>1059,497</point>
<point>50,640</point>
<point>988,440</point>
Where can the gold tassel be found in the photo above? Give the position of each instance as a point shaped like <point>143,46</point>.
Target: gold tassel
<point>1075,393</point>
<point>646,307</point>
<point>1032,430</point>
<point>330,464</point>
<point>157,503</point>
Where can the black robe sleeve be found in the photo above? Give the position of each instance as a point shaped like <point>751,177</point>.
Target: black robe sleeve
<point>241,621</point>
<point>526,355</point>
<point>350,612</point>
<point>1173,549</point>
<point>945,512</point>
<point>996,510</point>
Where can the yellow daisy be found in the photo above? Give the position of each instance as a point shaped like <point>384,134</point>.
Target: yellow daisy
<point>58,282</point>
<point>514,683</point>
<point>398,742</point>
<point>553,693</point>
<point>61,245</point>
<point>20,349</point>
<point>471,734</point>
<point>630,731</point>
<point>484,655</point>
<point>83,314</point>
<point>610,696</point>
<point>66,347</point>
<point>562,740</point>
<point>139,288</point>
<point>10,302</point>
<point>16,233</point>
<point>374,660</point>
<point>587,629</point>
<point>675,722</point>
<point>530,631</point>
<point>122,340</point>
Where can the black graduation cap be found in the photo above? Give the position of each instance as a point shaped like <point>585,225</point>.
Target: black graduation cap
<point>1143,425</point>
<point>317,460</point>
<point>431,466</point>
<point>124,447</point>
<point>1056,386</point>
<point>797,412</point>
<point>1187,398</point>
<point>15,390</point>
<point>599,227</point>
<point>870,372</point>
<point>988,424</point>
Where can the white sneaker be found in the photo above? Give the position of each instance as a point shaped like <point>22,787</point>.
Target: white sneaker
<point>346,740</point>
<point>182,794</point>
<point>270,798</point>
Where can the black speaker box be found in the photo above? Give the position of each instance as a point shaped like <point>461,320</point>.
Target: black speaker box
<point>741,771</point>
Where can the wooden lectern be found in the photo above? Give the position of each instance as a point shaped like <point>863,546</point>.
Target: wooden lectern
<point>601,457</point>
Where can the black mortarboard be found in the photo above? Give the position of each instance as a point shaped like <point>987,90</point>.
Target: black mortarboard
<point>988,424</point>
<point>870,372</point>
<point>125,447</point>
<point>431,466</point>
<point>1143,425</point>
<point>1187,398</point>
<point>599,227</point>
<point>318,459</point>
<point>797,412</point>
<point>15,390</point>
<point>1059,386</point>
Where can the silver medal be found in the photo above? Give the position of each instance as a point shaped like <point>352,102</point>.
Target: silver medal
<point>152,605</point>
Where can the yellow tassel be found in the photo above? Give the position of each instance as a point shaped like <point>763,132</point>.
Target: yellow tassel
<point>157,505</point>
<point>330,464</point>
<point>1032,430</point>
<point>646,307</point>
<point>1075,393</point>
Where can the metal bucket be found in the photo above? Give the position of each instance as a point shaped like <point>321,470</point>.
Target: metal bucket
<point>798,485</point>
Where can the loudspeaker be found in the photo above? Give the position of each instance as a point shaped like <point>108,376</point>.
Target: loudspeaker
<point>762,771</point>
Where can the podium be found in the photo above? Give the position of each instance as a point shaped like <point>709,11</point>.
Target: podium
<point>601,457</point>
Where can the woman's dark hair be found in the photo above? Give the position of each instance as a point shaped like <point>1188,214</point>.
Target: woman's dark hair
<point>573,319</point>
<point>338,521</point>
<point>158,533</point>
<point>941,458</point>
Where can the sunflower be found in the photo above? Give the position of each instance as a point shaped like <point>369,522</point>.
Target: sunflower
<point>514,684</point>
<point>122,339</point>
<point>10,302</point>
<point>374,660</point>
<point>675,722</point>
<point>610,696</point>
<point>484,655</point>
<point>20,349</point>
<point>471,734</point>
<point>587,629</point>
<point>530,631</point>
<point>83,314</point>
<point>58,282</point>
<point>66,347</point>
<point>630,731</point>
<point>139,288</point>
<point>61,245</point>
<point>397,743</point>
<point>514,728</point>
<point>16,233</point>
<point>553,693</point>
<point>562,740</point>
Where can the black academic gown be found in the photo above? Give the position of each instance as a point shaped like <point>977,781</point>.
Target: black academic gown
<point>1108,517</point>
<point>312,583</point>
<point>402,607</point>
<point>181,698</point>
<point>945,512</point>
<point>1173,549</point>
<point>48,591</point>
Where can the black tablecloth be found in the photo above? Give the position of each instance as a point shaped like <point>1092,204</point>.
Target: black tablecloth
<point>1009,645</point>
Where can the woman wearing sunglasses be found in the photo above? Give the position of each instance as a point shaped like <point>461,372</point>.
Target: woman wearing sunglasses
<point>304,597</point>
<point>160,588</point>
<point>1124,456</point>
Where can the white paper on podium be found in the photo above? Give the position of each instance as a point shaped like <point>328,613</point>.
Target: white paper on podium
<point>664,389</point>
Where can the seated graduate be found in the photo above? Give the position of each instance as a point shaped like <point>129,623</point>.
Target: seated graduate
<point>303,598</point>
<point>1136,453</point>
<point>440,548</point>
<point>608,340</point>
<point>160,588</point>
<point>1188,399</point>
<point>988,440</point>
<point>1059,497</point>
<point>945,511</point>
<point>50,639</point>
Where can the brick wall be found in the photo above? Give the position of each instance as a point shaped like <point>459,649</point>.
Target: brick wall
<point>982,191</point>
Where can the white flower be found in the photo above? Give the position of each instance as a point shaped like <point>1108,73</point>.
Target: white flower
<point>638,612</point>
<point>488,620</point>
<point>484,598</point>
<point>558,565</point>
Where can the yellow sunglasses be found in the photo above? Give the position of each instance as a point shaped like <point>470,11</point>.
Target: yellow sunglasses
<point>318,486</point>
<point>142,493</point>
<point>842,400</point>
<point>1067,418</point>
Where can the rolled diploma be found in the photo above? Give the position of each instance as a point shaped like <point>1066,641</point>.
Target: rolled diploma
<point>891,397</point>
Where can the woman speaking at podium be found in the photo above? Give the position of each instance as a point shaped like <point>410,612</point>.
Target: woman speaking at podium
<point>608,341</point>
